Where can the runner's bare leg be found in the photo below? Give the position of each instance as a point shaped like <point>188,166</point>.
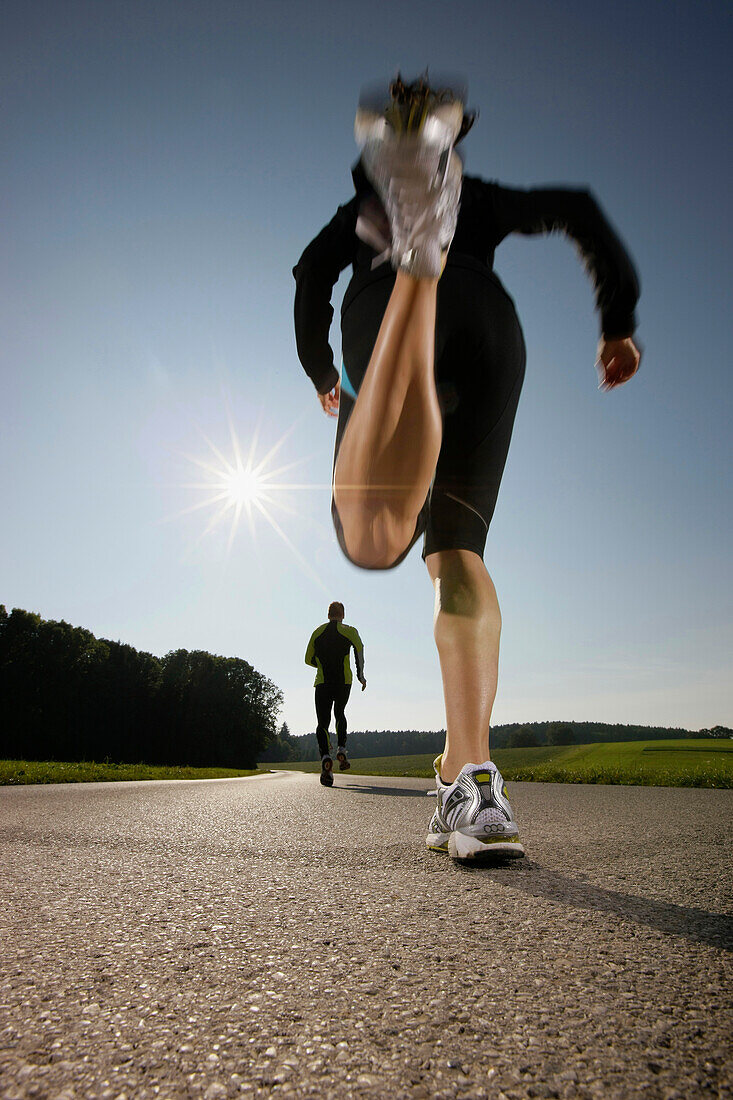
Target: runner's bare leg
<point>390,448</point>
<point>383,473</point>
<point>467,627</point>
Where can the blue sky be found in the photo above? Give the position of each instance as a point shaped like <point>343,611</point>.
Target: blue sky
<point>165,165</point>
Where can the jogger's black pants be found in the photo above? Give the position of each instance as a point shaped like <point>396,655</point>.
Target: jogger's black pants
<point>331,696</point>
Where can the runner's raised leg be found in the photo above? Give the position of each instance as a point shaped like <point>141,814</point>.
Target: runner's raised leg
<point>388,454</point>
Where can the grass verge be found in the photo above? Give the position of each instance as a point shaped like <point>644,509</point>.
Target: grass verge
<point>16,772</point>
<point>693,762</point>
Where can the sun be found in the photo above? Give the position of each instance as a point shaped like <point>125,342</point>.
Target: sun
<point>244,486</point>
<point>238,485</point>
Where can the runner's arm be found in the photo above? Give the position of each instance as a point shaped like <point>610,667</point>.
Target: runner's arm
<point>310,657</point>
<point>577,214</point>
<point>316,274</point>
<point>358,655</point>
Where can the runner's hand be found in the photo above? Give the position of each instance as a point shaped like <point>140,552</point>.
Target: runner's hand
<point>330,401</point>
<point>618,360</point>
<point>363,685</point>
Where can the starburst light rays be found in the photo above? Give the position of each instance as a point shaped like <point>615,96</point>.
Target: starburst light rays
<point>238,485</point>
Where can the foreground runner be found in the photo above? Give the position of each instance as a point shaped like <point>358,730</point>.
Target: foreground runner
<point>429,389</point>
<point>329,650</point>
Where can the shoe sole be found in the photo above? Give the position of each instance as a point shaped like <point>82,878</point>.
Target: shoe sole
<point>326,774</point>
<point>344,763</point>
<point>436,845</point>
<point>462,846</point>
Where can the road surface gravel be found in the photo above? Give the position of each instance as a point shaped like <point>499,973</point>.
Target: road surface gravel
<point>266,936</point>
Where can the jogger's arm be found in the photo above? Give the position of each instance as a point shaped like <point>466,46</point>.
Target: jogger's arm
<point>358,657</point>
<point>310,658</point>
<point>316,274</point>
<point>577,214</point>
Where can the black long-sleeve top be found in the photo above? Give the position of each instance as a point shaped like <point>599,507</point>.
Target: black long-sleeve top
<point>489,212</point>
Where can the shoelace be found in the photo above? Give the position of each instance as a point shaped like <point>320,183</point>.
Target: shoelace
<point>419,212</point>
<point>416,222</point>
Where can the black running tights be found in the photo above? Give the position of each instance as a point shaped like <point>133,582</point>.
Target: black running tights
<point>328,696</point>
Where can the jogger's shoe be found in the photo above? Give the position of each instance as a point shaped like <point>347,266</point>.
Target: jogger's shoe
<point>438,835</point>
<point>407,152</point>
<point>326,771</point>
<point>417,237</point>
<point>344,762</point>
<point>423,222</point>
<point>473,818</point>
<point>437,838</point>
<point>422,216</point>
<point>432,115</point>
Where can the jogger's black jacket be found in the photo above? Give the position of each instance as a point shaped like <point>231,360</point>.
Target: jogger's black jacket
<point>489,212</point>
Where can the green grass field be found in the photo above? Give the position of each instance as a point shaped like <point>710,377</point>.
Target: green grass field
<point>15,772</point>
<point>694,762</point>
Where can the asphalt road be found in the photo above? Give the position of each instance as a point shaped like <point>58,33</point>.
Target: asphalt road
<point>265,937</point>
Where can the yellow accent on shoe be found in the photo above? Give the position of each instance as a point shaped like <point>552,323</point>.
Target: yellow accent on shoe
<point>499,839</point>
<point>438,847</point>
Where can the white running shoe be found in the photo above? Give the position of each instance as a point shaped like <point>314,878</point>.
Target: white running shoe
<point>434,123</point>
<point>407,153</point>
<point>473,817</point>
<point>344,762</point>
<point>419,227</point>
<point>423,222</point>
<point>438,833</point>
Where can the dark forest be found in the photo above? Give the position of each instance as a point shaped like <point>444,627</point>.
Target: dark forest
<point>67,695</point>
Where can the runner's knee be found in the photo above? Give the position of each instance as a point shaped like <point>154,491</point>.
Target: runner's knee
<point>376,540</point>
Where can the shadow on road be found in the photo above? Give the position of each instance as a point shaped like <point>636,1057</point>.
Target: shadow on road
<point>402,791</point>
<point>698,925</point>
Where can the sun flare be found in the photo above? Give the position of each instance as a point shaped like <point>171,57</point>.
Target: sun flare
<point>244,486</point>
<point>235,485</point>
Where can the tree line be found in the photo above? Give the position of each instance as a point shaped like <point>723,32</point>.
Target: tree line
<point>67,695</point>
<point>286,748</point>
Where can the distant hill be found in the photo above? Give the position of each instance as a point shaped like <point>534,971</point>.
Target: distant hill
<point>512,735</point>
